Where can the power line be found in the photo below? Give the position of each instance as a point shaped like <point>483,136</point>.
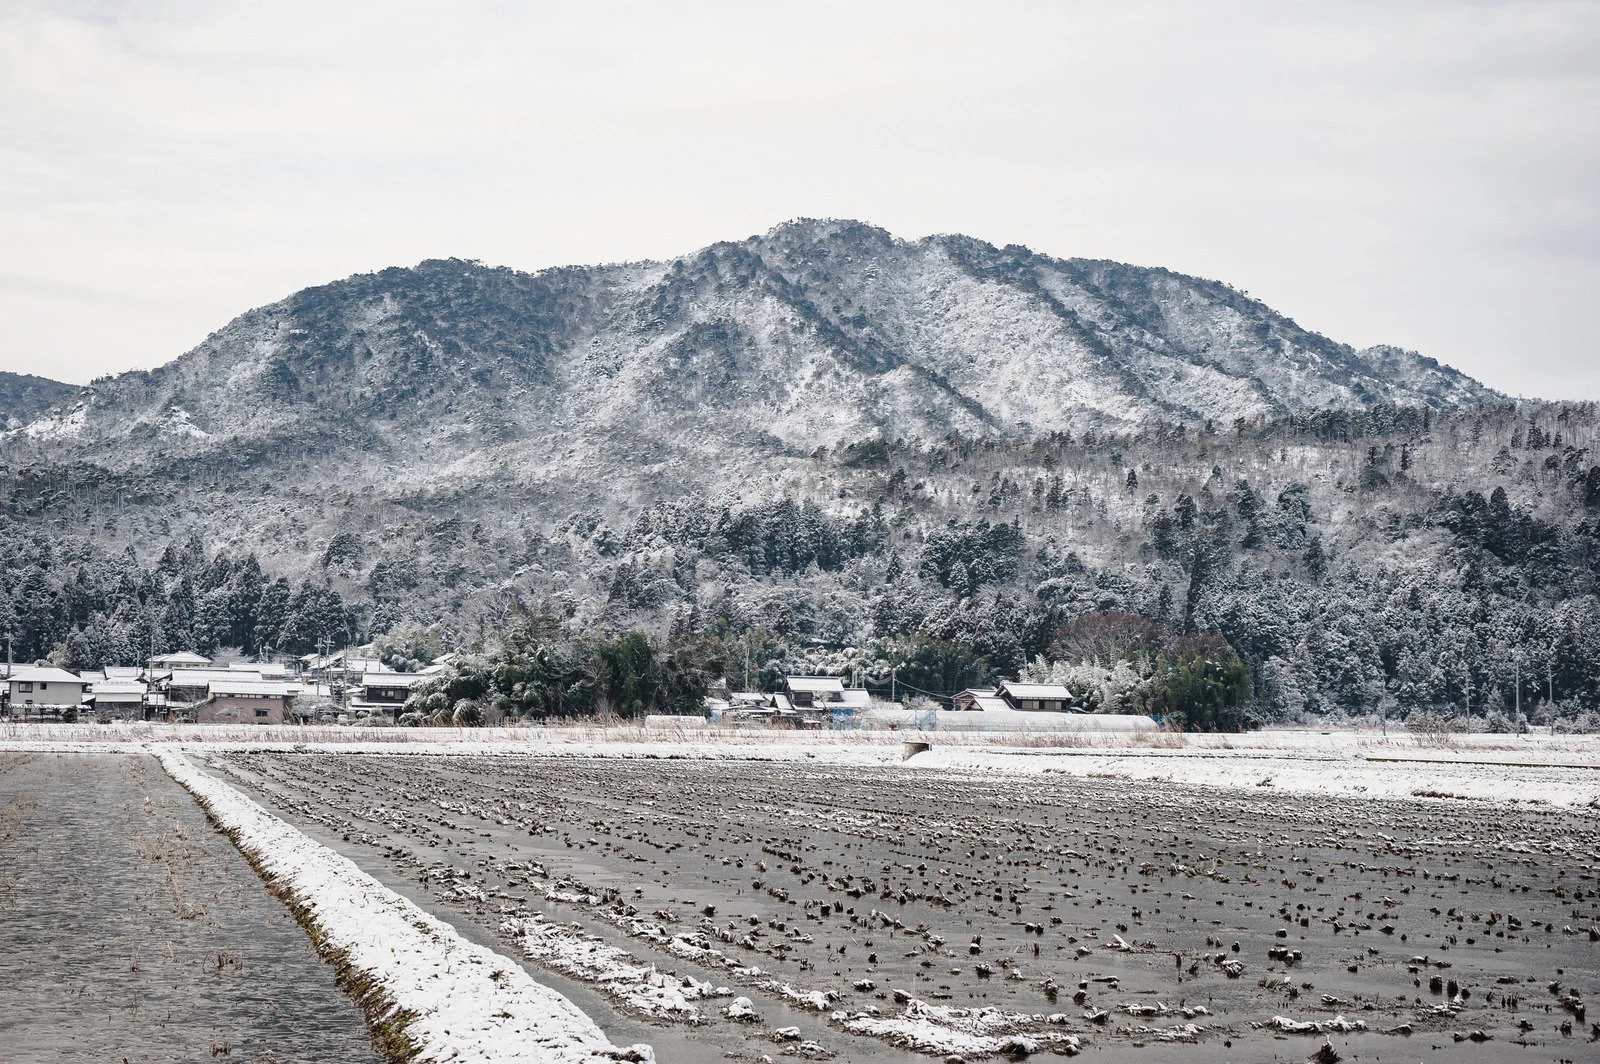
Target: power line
<point>920,691</point>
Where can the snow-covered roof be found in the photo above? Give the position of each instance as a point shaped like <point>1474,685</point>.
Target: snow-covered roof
<point>106,686</point>
<point>264,668</point>
<point>121,691</point>
<point>376,678</point>
<point>1035,690</point>
<point>856,696</point>
<point>983,701</point>
<point>782,702</point>
<point>121,672</point>
<point>204,677</point>
<point>250,687</point>
<point>181,659</point>
<point>815,684</point>
<point>43,674</point>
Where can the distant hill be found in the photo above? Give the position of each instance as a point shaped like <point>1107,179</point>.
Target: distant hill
<point>24,397</point>
<point>814,333</point>
<point>824,448</point>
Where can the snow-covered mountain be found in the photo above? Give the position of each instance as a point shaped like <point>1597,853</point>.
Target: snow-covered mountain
<point>24,397</point>
<point>813,333</point>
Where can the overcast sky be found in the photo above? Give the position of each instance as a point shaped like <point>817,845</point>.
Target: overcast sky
<point>1422,174</point>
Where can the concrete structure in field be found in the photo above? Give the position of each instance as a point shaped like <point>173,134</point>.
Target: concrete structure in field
<point>43,690</point>
<point>244,702</point>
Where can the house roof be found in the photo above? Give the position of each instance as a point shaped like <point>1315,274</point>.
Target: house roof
<point>121,691</point>
<point>857,696</point>
<point>44,674</point>
<point>182,657</point>
<point>1035,690</point>
<point>118,684</point>
<point>265,668</point>
<point>391,679</point>
<point>203,677</point>
<point>984,701</point>
<point>249,687</point>
<point>817,684</point>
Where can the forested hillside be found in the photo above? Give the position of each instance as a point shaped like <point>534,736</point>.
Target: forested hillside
<point>1394,560</point>
<point>24,397</point>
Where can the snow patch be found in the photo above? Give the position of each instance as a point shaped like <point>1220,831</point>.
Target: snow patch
<point>943,1030</point>
<point>640,987</point>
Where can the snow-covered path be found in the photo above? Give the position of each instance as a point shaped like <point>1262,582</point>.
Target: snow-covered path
<point>458,1001</point>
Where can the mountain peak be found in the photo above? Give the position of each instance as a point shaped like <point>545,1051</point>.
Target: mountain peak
<point>816,331</point>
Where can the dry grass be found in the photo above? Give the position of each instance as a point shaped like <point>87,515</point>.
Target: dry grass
<point>627,738</point>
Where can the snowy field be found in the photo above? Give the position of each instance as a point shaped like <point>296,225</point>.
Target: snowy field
<point>1537,768</point>
<point>734,895</point>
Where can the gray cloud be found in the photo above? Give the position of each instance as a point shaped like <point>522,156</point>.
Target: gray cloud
<point>1415,173</point>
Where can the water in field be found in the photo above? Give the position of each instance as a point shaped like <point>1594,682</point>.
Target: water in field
<point>131,930</point>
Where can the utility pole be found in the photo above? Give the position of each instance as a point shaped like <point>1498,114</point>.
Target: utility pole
<point>892,670</point>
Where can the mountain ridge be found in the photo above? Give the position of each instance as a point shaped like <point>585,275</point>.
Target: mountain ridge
<point>812,333</point>
<point>829,449</point>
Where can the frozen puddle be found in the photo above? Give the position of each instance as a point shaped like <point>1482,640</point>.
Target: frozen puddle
<point>451,999</point>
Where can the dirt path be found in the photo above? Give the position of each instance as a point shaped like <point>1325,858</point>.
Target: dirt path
<point>131,931</point>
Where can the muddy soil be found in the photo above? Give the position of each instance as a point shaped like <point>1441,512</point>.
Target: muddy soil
<point>1149,921</point>
<point>130,930</point>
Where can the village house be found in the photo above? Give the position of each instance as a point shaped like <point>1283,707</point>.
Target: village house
<point>39,690</point>
<point>244,701</point>
<point>117,697</point>
<point>187,688</point>
<point>1035,697</point>
<point>183,659</point>
<point>814,692</point>
<point>978,700</point>
<point>385,692</point>
<point>348,666</point>
<point>804,702</point>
